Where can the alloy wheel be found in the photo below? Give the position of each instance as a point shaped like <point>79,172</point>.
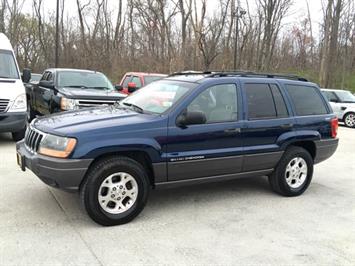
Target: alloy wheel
<point>350,120</point>
<point>296,172</point>
<point>117,193</point>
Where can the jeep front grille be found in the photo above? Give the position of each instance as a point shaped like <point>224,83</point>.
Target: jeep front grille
<point>32,139</point>
<point>3,105</point>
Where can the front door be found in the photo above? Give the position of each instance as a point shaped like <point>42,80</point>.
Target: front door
<point>210,149</point>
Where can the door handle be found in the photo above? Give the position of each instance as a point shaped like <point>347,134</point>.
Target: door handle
<point>232,130</point>
<point>286,126</point>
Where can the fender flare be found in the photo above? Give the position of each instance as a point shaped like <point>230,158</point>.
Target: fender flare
<point>99,148</point>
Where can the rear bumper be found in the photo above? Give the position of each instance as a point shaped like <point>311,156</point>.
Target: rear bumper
<point>12,122</point>
<point>65,174</point>
<point>325,149</point>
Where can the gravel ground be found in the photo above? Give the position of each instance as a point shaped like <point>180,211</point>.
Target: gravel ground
<point>237,222</point>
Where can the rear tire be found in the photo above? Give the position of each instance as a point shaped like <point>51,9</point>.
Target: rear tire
<point>115,190</point>
<point>293,174</point>
<point>349,120</point>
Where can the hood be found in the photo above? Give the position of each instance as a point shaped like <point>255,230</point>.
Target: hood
<point>90,120</point>
<point>11,88</point>
<point>76,93</point>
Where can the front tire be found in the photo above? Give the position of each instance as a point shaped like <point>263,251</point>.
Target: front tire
<point>115,190</point>
<point>349,120</point>
<point>293,173</point>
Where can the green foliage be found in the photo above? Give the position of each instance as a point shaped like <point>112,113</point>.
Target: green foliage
<point>313,76</point>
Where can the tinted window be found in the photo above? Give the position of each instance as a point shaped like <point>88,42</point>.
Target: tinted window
<point>8,68</point>
<point>44,77</point>
<point>260,101</point>
<point>50,76</point>
<point>330,96</point>
<point>218,103</point>
<point>281,108</point>
<point>138,82</point>
<point>306,100</point>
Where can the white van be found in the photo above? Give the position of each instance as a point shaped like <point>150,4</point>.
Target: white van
<point>13,104</point>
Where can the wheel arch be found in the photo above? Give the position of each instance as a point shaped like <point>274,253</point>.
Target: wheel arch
<point>308,145</point>
<point>140,156</point>
<point>351,111</point>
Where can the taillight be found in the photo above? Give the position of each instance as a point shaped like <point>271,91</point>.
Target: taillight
<point>334,127</point>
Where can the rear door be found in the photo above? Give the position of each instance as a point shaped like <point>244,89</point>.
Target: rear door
<point>268,121</point>
<point>312,113</point>
<point>210,149</point>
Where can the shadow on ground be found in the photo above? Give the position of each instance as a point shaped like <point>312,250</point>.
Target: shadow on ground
<point>5,138</point>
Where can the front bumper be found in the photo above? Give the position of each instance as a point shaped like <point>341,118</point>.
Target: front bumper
<point>325,149</point>
<point>65,174</point>
<point>12,122</point>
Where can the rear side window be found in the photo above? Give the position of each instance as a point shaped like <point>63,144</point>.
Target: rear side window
<point>260,102</point>
<point>306,100</point>
<point>281,108</point>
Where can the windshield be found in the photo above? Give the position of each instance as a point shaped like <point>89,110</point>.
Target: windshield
<point>346,96</point>
<point>150,79</point>
<point>8,67</point>
<point>81,79</point>
<point>159,96</point>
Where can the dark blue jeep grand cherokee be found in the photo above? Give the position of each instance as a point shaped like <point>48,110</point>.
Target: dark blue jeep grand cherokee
<point>184,129</point>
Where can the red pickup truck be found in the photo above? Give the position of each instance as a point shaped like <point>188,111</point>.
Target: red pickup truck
<point>133,81</point>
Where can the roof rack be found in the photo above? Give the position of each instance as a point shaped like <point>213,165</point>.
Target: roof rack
<point>190,72</point>
<point>255,75</point>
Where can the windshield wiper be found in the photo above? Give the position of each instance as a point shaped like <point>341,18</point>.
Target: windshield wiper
<point>105,88</point>
<point>135,107</point>
<point>76,86</point>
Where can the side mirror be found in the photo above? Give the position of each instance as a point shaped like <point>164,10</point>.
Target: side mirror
<point>132,87</point>
<point>46,84</point>
<point>191,118</point>
<point>26,75</point>
<point>118,87</point>
<point>333,100</point>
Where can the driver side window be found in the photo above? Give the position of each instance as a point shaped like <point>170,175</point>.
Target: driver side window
<point>218,103</point>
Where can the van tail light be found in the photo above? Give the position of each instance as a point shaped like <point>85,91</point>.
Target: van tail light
<point>334,127</point>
